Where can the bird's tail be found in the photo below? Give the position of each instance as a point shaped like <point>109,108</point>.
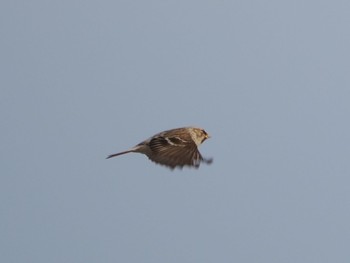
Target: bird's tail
<point>117,154</point>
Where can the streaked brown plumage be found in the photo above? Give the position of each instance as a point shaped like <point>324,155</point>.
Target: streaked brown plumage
<point>173,148</point>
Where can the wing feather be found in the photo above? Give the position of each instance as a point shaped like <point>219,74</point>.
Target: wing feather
<point>173,152</point>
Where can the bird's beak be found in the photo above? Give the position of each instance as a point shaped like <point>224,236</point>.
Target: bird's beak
<point>207,136</point>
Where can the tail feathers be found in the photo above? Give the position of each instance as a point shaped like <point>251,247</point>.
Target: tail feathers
<point>117,154</point>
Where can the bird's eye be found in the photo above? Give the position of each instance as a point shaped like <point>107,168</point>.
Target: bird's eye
<point>205,133</point>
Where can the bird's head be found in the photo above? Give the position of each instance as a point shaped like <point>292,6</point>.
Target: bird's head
<point>199,135</point>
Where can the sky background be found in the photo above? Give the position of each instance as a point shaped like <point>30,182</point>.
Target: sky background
<point>269,80</point>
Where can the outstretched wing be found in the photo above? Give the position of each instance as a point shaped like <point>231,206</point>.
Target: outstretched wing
<point>174,152</point>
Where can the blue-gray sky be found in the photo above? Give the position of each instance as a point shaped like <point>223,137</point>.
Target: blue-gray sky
<point>269,80</point>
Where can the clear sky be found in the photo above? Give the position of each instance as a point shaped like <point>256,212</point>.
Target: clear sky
<point>269,80</point>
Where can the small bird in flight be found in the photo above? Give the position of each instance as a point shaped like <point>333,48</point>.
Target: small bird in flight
<point>173,148</point>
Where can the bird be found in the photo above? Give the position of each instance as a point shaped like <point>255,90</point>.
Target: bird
<point>173,148</point>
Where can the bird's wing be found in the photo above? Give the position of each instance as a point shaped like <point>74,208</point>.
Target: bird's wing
<point>174,151</point>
